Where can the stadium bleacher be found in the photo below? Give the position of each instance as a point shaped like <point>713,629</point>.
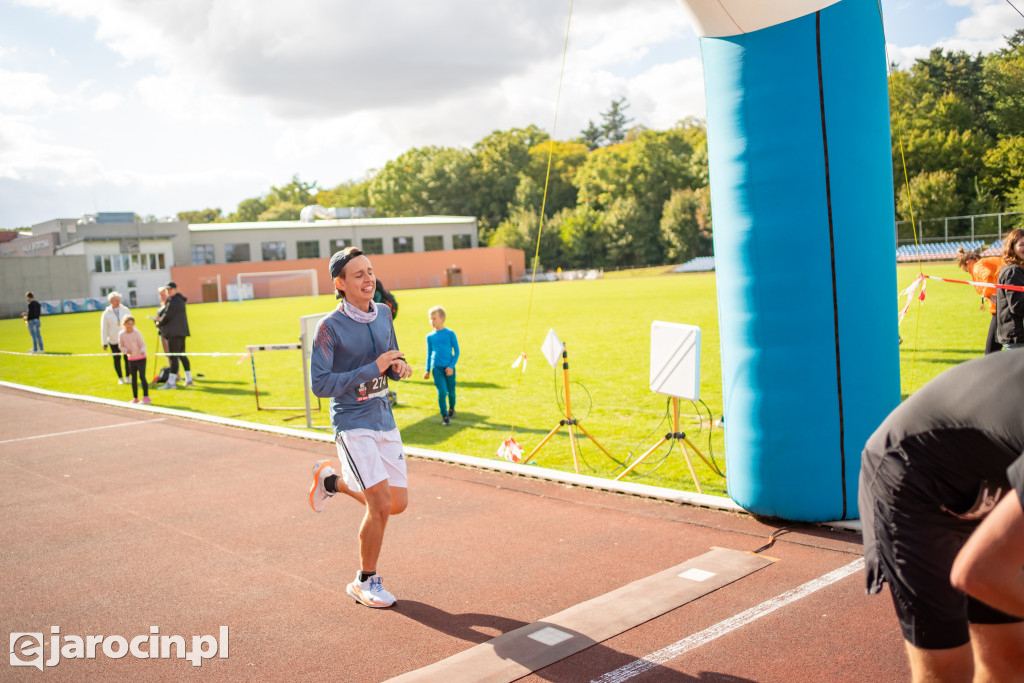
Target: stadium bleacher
<point>934,251</point>
<point>994,249</point>
<point>699,264</point>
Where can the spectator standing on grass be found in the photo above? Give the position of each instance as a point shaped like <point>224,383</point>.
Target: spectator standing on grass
<point>354,354</point>
<point>1010,303</point>
<point>984,270</point>
<point>929,474</point>
<point>32,318</point>
<point>173,324</point>
<point>162,293</point>
<point>134,346</point>
<point>110,328</point>
<point>442,355</point>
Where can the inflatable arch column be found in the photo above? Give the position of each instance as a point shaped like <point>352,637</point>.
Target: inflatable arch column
<point>804,236</point>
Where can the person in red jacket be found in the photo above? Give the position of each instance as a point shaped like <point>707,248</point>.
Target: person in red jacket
<point>984,270</point>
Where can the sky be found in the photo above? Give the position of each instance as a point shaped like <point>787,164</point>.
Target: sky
<point>157,107</point>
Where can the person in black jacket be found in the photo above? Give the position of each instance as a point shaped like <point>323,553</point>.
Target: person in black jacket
<point>173,324</point>
<point>1009,302</point>
<point>32,319</point>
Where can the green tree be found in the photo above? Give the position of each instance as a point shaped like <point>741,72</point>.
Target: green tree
<point>686,224</point>
<point>583,236</point>
<point>625,224</point>
<point>498,161</point>
<point>1005,163</point>
<point>424,181</point>
<point>933,194</point>
<point>591,136</point>
<point>614,122</point>
<point>960,75</point>
<point>203,216</point>
<point>295,192</point>
<point>519,230</point>
<point>566,158</point>
<point>248,211</point>
<point>348,193</point>
<point>1015,203</point>
<point>282,211</point>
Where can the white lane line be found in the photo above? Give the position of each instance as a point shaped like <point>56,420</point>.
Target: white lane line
<point>87,429</point>
<point>652,660</point>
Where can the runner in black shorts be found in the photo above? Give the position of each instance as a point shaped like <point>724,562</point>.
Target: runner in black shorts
<point>929,474</point>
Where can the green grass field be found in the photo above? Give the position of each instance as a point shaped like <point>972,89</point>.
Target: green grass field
<point>605,325</point>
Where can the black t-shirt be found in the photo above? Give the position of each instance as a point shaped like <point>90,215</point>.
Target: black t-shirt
<point>34,310</point>
<point>966,426</point>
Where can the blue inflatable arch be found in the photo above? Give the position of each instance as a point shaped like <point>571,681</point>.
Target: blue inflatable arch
<point>802,199</point>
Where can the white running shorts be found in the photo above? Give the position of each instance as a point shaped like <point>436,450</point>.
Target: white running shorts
<point>369,457</point>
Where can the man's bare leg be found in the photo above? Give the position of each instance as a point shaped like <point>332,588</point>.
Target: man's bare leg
<point>998,652</point>
<point>955,665</point>
<point>382,501</point>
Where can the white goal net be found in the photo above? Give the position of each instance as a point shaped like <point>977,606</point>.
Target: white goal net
<point>273,284</point>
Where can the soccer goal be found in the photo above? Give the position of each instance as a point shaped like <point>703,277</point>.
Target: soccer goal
<point>273,284</point>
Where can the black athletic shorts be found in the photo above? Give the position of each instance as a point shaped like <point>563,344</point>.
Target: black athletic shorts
<point>911,539</point>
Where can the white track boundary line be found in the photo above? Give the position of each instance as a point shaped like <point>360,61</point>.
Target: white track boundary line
<point>683,646</point>
<point>86,429</point>
<point>531,471</point>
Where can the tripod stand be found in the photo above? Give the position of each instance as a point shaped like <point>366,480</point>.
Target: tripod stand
<point>569,421</point>
<point>683,443</point>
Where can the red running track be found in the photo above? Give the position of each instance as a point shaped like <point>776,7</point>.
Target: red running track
<point>118,520</point>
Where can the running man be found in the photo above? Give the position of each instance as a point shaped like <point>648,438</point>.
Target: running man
<point>354,354</point>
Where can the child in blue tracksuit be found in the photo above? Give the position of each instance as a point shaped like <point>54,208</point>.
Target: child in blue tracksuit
<point>442,355</point>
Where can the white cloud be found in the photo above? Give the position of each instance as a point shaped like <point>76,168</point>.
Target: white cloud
<point>26,91</point>
<point>206,102</point>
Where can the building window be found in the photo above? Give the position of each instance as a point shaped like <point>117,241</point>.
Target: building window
<point>401,245</point>
<point>160,262</point>
<point>373,245</point>
<point>307,249</point>
<point>126,262</point>
<point>273,251</point>
<point>338,245</point>
<point>97,264</point>
<point>104,291</point>
<point>236,253</point>
<point>202,254</point>
<point>462,241</point>
<point>433,243</point>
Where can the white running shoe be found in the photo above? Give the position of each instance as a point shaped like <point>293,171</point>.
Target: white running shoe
<point>318,495</point>
<point>370,592</point>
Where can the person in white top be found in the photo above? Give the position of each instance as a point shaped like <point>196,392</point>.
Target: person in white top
<point>110,327</point>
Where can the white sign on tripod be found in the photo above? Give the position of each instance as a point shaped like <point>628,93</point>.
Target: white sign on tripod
<point>675,360</point>
<point>552,348</point>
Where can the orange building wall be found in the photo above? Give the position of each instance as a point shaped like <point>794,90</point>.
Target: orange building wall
<point>481,266</point>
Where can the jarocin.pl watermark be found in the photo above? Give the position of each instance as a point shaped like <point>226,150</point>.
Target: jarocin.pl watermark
<point>27,648</point>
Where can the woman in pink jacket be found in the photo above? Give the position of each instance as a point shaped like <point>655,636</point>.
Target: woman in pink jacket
<point>132,344</point>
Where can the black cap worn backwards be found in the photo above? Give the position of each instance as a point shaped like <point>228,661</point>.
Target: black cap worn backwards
<point>341,258</point>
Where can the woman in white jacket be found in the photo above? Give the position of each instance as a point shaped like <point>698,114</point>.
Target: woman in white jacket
<point>110,327</point>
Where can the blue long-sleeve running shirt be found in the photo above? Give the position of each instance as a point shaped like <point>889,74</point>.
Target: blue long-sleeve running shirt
<point>343,367</point>
<point>442,349</point>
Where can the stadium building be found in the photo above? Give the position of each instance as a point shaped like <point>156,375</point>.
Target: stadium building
<point>72,264</point>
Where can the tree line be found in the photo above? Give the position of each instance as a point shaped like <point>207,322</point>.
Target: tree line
<point>625,195</point>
